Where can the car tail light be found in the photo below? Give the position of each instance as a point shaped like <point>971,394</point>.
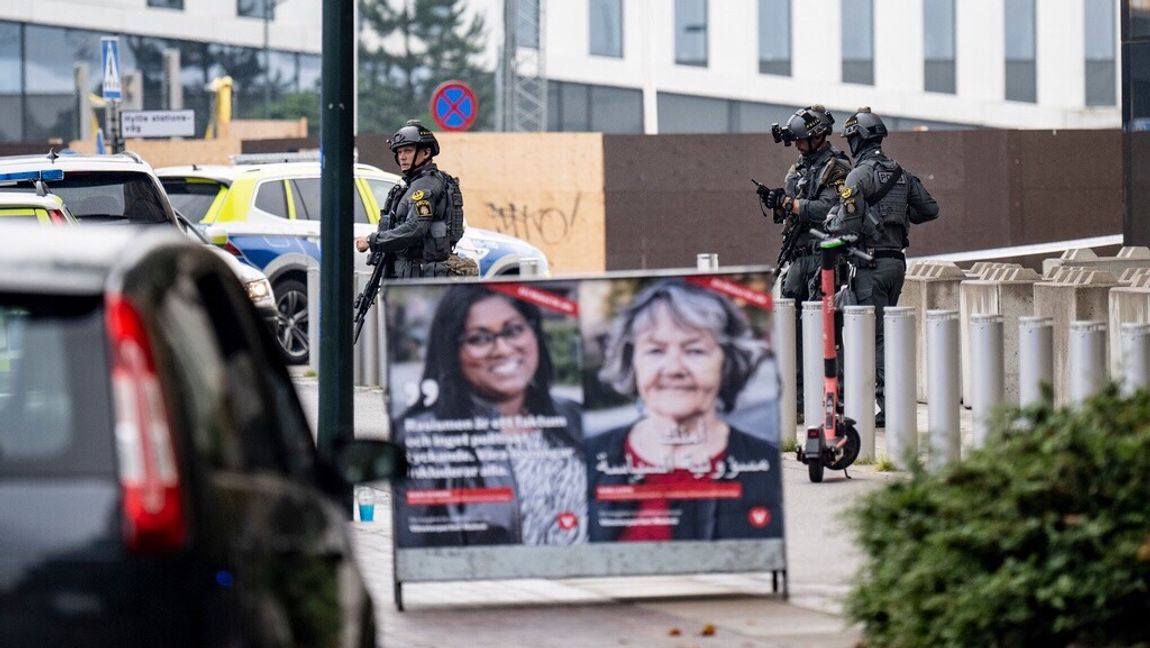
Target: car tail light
<point>149,476</point>
<point>57,217</point>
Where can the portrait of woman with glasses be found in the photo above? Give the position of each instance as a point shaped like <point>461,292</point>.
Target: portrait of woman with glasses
<point>497,455</point>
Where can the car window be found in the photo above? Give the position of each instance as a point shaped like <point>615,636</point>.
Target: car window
<point>192,199</point>
<point>306,192</point>
<point>271,199</point>
<point>216,369</point>
<point>380,189</point>
<point>112,196</point>
<point>308,202</point>
<point>55,416</point>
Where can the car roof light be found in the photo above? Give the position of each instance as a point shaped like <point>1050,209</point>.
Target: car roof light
<point>49,175</point>
<point>153,508</point>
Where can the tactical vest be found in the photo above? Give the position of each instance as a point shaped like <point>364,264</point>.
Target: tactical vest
<point>889,213</point>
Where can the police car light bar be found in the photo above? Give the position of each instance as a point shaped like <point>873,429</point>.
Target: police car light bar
<point>47,175</point>
<point>312,155</point>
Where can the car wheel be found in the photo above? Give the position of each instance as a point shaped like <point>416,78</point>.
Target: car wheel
<point>291,323</point>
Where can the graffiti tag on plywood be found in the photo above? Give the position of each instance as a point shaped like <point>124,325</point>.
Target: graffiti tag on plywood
<point>545,225</point>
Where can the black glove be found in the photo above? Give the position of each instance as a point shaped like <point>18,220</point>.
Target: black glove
<point>775,199</point>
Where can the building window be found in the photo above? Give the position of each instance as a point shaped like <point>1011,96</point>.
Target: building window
<point>606,27</point>
<point>575,107</point>
<point>1099,40</point>
<point>1137,19</point>
<point>775,37</point>
<point>938,45</point>
<point>256,8</point>
<point>1021,78</point>
<point>167,4</point>
<point>691,32</point>
<point>858,41</point>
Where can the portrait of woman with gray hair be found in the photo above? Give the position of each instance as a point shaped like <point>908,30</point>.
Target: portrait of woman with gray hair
<point>682,470</point>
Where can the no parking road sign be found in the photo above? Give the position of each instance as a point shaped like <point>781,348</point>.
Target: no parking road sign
<point>454,106</point>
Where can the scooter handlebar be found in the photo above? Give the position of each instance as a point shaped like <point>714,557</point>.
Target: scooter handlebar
<point>848,241</point>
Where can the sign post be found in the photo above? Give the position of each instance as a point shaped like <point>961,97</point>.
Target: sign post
<point>454,106</point>
<point>112,87</point>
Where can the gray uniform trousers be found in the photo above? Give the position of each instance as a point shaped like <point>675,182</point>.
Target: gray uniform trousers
<point>880,287</point>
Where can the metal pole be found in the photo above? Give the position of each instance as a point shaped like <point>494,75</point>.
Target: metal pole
<point>268,4</point>
<point>707,261</point>
<point>1035,358</point>
<point>1087,360</point>
<point>942,388</point>
<point>812,364</point>
<point>381,363</point>
<point>900,336</point>
<point>1135,357</point>
<point>313,290</point>
<point>858,373</point>
<point>784,346</point>
<point>986,372</point>
<point>336,233</point>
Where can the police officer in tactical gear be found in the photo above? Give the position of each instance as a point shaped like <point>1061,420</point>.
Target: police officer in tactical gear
<point>809,190</point>
<point>415,221</point>
<point>879,201</point>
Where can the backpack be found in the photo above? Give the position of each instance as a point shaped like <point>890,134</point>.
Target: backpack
<point>454,209</point>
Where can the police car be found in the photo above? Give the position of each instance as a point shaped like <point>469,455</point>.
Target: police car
<point>22,207</point>
<point>269,205</point>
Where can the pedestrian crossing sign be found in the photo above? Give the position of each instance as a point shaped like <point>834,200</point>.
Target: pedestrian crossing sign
<point>110,65</point>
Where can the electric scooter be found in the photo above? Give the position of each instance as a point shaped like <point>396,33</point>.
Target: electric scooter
<point>836,444</point>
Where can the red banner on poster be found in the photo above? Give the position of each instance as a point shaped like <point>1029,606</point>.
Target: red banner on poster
<point>730,288</point>
<point>542,298</point>
<point>701,490</point>
<point>459,496</point>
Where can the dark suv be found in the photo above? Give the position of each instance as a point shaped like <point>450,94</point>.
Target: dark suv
<point>159,484</point>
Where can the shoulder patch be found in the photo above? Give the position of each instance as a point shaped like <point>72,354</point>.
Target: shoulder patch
<point>418,195</point>
<point>422,207</point>
<point>845,191</point>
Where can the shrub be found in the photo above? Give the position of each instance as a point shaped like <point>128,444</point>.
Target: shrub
<point>1040,539</point>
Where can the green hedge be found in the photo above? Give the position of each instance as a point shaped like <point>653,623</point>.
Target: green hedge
<point>1041,539</point>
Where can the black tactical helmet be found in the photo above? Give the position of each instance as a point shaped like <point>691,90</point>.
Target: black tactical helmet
<point>413,132</point>
<point>811,121</point>
<point>862,127</point>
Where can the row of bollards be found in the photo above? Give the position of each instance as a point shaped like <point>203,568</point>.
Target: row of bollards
<point>1087,359</point>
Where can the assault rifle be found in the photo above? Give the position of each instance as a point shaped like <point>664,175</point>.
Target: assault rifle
<point>380,262</point>
<point>770,199</point>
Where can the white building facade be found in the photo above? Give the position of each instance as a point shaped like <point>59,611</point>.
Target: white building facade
<point>623,66</point>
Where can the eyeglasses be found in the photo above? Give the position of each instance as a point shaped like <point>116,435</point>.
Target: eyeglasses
<point>483,341</point>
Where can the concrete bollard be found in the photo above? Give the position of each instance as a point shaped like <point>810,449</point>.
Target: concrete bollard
<point>858,373</point>
<point>1071,294</point>
<point>784,345</point>
<point>943,392</point>
<point>1135,357</point>
<point>812,364</point>
<point>313,290</point>
<point>707,261</point>
<point>900,333</point>
<point>369,344</point>
<point>529,267</point>
<point>986,369</point>
<point>1087,360</point>
<point>1035,358</point>
<point>930,285</point>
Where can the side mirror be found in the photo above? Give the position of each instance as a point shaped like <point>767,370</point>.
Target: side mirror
<point>363,460</point>
<point>216,235</point>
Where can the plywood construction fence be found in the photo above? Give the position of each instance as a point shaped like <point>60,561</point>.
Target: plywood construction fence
<point>544,188</point>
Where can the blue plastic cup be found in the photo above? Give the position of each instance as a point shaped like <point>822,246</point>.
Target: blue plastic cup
<point>366,512</point>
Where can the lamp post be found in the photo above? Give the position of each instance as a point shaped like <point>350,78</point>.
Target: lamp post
<point>268,9</point>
